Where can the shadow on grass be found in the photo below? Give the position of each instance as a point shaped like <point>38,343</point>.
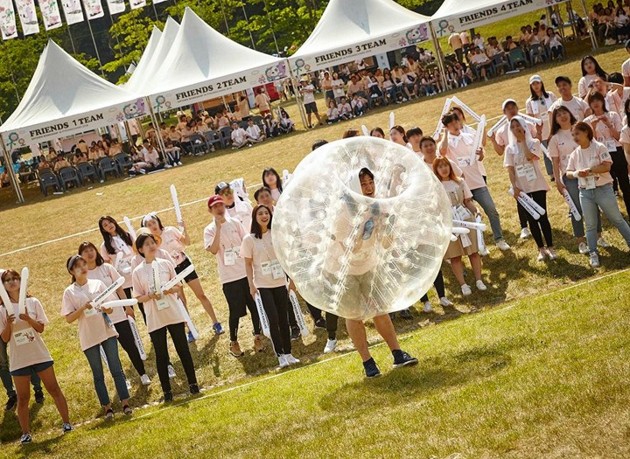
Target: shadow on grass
<point>435,374</point>
<point>10,428</point>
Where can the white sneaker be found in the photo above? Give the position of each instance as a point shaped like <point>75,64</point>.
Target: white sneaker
<point>594,260</point>
<point>541,256</point>
<point>583,248</point>
<point>331,345</point>
<point>282,360</point>
<point>502,245</point>
<point>145,380</point>
<point>551,253</point>
<point>466,291</point>
<point>167,166</point>
<point>290,359</point>
<point>171,372</point>
<point>603,243</point>
<point>427,307</point>
<point>525,233</point>
<point>481,286</point>
<point>484,251</point>
<point>445,302</point>
<point>179,163</point>
<point>128,383</point>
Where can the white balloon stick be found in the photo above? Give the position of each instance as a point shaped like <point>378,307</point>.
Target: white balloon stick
<point>392,120</point>
<point>466,108</point>
<point>187,319</point>
<point>130,227</point>
<point>531,119</point>
<point>470,225</point>
<point>572,207</point>
<point>497,126</point>
<point>523,201</point>
<point>178,278</point>
<point>445,109</point>
<point>299,317</point>
<point>365,130</point>
<point>4,295</point>
<point>136,337</point>
<point>460,230</point>
<point>478,136</point>
<point>118,304</point>
<point>101,297</point>
<point>178,210</point>
<point>262,315</point>
<point>23,288</point>
<point>481,245</point>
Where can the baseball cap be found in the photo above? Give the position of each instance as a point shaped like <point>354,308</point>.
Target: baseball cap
<point>506,102</point>
<point>216,199</point>
<point>535,79</point>
<point>220,187</point>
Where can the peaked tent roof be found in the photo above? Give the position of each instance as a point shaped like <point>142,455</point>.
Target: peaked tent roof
<point>349,29</point>
<point>202,63</point>
<point>145,59</point>
<point>142,77</point>
<point>458,15</point>
<point>65,97</point>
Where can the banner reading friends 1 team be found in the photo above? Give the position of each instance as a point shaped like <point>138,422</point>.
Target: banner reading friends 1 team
<point>84,122</point>
<point>219,87</point>
<point>312,62</point>
<point>489,14</point>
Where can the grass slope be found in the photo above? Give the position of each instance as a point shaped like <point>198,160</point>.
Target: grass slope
<point>541,377</point>
<point>509,276</point>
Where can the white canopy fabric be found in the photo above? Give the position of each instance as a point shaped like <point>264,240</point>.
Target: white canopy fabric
<point>64,97</point>
<point>458,15</point>
<point>351,29</point>
<point>203,64</point>
<point>145,59</point>
<point>152,59</point>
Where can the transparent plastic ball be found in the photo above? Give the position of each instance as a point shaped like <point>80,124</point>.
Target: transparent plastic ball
<point>356,255</point>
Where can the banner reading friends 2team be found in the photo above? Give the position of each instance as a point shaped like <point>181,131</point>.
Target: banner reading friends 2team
<point>74,125</point>
<point>220,87</point>
<point>489,14</point>
<point>311,63</point>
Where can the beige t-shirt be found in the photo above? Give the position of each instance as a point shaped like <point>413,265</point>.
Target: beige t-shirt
<point>561,145</point>
<point>583,158</point>
<point>172,243</point>
<point>124,268</point>
<point>107,274</point>
<point>26,346</point>
<point>576,106</point>
<point>267,270</point>
<point>529,178</point>
<point>165,311</point>
<point>231,264</point>
<point>460,152</point>
<point>262,101</point>
<point>602,132</point>
<point>93,328</point>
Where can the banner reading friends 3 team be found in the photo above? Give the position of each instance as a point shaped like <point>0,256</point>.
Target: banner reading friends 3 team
<point>485,15</point>
<point>302,65</point>
<point>218,87</point>
<point>72,125</point>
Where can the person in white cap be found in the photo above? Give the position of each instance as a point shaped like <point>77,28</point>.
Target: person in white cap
<point>537,106</point>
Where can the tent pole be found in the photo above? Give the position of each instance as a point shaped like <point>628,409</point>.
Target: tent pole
<point>440,57</point>
<point>98,56</point>
<point>74,51</point>
<point>8,163</point>
<point>591,32</point>
<point>298,99</point>
<point>156,127</point>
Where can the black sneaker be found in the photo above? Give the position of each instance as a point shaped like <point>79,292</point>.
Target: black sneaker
<point>168,396</point>
<point>39,396</point>
<point>406,314</point>
<point>194,389</point>
<point>320,323</point>
<point>67,427</point>
<point>371,369</point>
<point>11,403</point>
<point>402,359</point>
<point>295,333</point>
<point>25,439</point>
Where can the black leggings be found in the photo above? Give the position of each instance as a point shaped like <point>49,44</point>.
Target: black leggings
<point>239,301</point>
<point>276,303</point>
<point>128,343</point>
<point>522,216</point>
<point>619,170</point>
<point>178,335</point>
<point>439,287</point>
<point>331,320</point>
<point>140,305</point>
<point>542,224</point>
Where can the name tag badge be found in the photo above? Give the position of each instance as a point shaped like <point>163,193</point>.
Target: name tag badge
<point>276,270</point>
<point>527,171</point>
<point>463,162</point>
<point>23,337</point>
<point>229,257</point>
<point>587,183</point>
<point>90,312</point>
<point>162,304</point>
<point>266,268</point>
<point>611,145</point>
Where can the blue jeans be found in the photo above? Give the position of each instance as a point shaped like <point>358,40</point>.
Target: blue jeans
<point>484,198</point>
<point>602,197</point>
<point>93,354</point>
<point>5,376</point>
<point>578,226</point>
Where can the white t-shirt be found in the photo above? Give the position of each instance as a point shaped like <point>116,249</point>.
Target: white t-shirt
<point>528,176</point>
<point>239,135</point>
<point>232,266</point>
<point>625,135</point>
<point>26,346</point>
<point>151,157</point>
<point>583,158</point>
<point>253,132</point>
<point>561,145</point>
<point>583,88</point>
<point>460,152</point>
<point>338,88</point>
<point>267,270</point>
<point>539,109</point>
<point>107,274</point>
<point>602,132</point>
<point>576,106</point>
<point>124,268</point>
<point>93,328</point>
<point>309,94</point>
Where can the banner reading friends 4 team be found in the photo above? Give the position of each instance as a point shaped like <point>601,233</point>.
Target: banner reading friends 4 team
<point>466,16</point>
<point>72,125</point>
<point>317,61</point>
<point>218,87</point>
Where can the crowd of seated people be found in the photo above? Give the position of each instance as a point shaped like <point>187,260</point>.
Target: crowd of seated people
<point>611,22</point>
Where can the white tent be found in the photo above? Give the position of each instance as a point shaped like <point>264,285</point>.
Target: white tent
<point>202,64</point>
<point>350,29</point>
<point>458,15</point>
<point>64,97</point>
<point>153,58</point>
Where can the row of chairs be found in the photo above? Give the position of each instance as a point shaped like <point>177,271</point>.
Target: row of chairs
<point>76,176</point>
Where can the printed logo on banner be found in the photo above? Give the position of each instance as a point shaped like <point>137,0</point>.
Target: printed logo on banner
<point>15,141</point>
<point>417,35</point>
<point>161,104</point>
<point>302,67</point>
<point>133,110</point>
<point>7,20</point>
<point>276,72</point>
<point>445,28</point>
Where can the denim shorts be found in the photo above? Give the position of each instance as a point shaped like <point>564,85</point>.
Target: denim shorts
<point>36,368</point>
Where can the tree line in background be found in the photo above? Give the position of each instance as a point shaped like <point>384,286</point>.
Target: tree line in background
<point>270,26</point>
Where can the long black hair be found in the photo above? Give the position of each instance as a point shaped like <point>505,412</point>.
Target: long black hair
<point>555,127</point>
<point>598,69</point>
<point>626,108</point>
<point>256,229</point>
<point>271,170</point>
<point>596,96</point>
<point>88,245</point>
<point>107,238</point>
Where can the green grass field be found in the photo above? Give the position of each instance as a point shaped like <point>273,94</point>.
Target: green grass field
<point>463,360</point>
